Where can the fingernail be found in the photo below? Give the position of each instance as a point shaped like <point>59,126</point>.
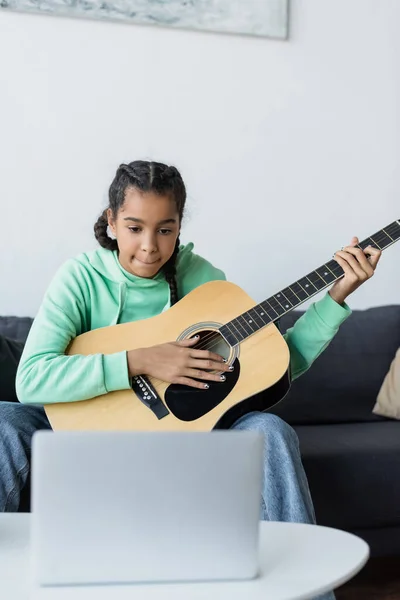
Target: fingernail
<point>206,386</point>
<point>196,337</point>
<point>224,360</point>
<point>223,377</point>
<point>231,368</point>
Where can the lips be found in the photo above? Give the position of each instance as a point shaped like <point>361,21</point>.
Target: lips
<point>148,264</point>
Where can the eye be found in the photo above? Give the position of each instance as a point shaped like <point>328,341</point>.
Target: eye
<point>165,231</point>
<point>134,229</point>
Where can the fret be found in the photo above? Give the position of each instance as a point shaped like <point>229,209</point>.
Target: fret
<point>248,324</point>
<point>285,304</point>
<point>394,230</point>
<point>335,268</point>
<point>239,328</point>
<point>383,238</point>
<point>257,318</point>
<point>326,274</point>
<point>365,243</point>
<point>368,242</point>
<point>321,279</point>
<point>307,286</point>
<point>375,243</point>
<point>228,335</point>
<point>316,280</point>
<point>291,296</point>
<point>274,301</point>
<point>263,314</point>
<point>236,332</point>
<point>388,235</point>
<point>271,312</point>
<point>276,305</point>
<point>298,291</point>
<point>251,321</point>
<point>306,291</point>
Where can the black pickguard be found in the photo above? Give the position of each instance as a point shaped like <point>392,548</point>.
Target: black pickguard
<point>189,404</point>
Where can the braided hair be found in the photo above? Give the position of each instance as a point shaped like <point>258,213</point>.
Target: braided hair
<point>146,177</point>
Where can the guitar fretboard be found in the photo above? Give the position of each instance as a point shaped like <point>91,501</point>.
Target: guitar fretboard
<point>291,297</point>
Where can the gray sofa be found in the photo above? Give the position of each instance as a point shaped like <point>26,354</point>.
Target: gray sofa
<point>352,457</point>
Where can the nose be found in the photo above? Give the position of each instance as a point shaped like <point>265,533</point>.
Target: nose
<point>149,244</point>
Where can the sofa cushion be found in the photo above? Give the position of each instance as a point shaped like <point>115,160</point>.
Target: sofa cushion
<point>10,353</point>
<point>343,383</point>
<point>13,333</point>
<point>388,402</point>
<point>353,473</point>
<point>15,328</point>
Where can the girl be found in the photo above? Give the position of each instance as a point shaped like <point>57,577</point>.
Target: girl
<point>137,273</point>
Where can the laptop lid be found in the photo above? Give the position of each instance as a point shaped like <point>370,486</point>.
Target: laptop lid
<point>119,507</point>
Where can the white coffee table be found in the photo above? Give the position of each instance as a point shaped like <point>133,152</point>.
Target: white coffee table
<point>297,562</point>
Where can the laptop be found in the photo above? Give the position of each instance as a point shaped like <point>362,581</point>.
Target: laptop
<point>125,507</point>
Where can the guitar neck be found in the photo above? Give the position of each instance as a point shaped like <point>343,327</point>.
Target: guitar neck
<point>291,297</point>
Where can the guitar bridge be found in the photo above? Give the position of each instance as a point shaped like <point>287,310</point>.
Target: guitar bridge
<point>148,395</point>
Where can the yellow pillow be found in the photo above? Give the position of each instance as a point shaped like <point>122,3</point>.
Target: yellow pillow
<point>388,401</point>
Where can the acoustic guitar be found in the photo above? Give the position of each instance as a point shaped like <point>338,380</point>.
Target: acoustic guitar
<point>229,323</point>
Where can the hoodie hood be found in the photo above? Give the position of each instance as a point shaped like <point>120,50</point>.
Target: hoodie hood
<point>106,264</point>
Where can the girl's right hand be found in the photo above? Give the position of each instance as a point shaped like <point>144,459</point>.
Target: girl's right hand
<point>177,362</point>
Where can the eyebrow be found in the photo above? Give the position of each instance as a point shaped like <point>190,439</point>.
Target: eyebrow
<point>135,220</point>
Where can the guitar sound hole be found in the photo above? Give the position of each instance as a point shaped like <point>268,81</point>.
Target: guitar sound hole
<point>213,341</point>
<point>188,403</point>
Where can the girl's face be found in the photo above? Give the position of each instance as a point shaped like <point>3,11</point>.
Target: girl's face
<point>147,227</point>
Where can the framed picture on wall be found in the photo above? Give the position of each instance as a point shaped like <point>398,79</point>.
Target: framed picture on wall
<point>265,18</point>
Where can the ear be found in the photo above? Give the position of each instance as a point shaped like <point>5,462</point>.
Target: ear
<point>111,222</point>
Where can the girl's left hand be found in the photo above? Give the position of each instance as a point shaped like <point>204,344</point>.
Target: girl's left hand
<point>357,269</point>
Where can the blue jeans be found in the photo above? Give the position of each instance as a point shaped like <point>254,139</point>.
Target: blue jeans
<point>286,495</point>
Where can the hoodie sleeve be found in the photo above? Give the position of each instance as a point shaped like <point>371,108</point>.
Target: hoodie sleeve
<point>313,332</point>
<point>45,374</point>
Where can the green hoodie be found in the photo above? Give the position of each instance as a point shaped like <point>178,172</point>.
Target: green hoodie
<point>93,290</point>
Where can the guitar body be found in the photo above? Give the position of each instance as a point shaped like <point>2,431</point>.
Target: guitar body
<point>260,363</point>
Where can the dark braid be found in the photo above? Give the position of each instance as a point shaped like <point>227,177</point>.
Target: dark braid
<point>147,177</point>
<point>101,235</point>
<point>170,274</point>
